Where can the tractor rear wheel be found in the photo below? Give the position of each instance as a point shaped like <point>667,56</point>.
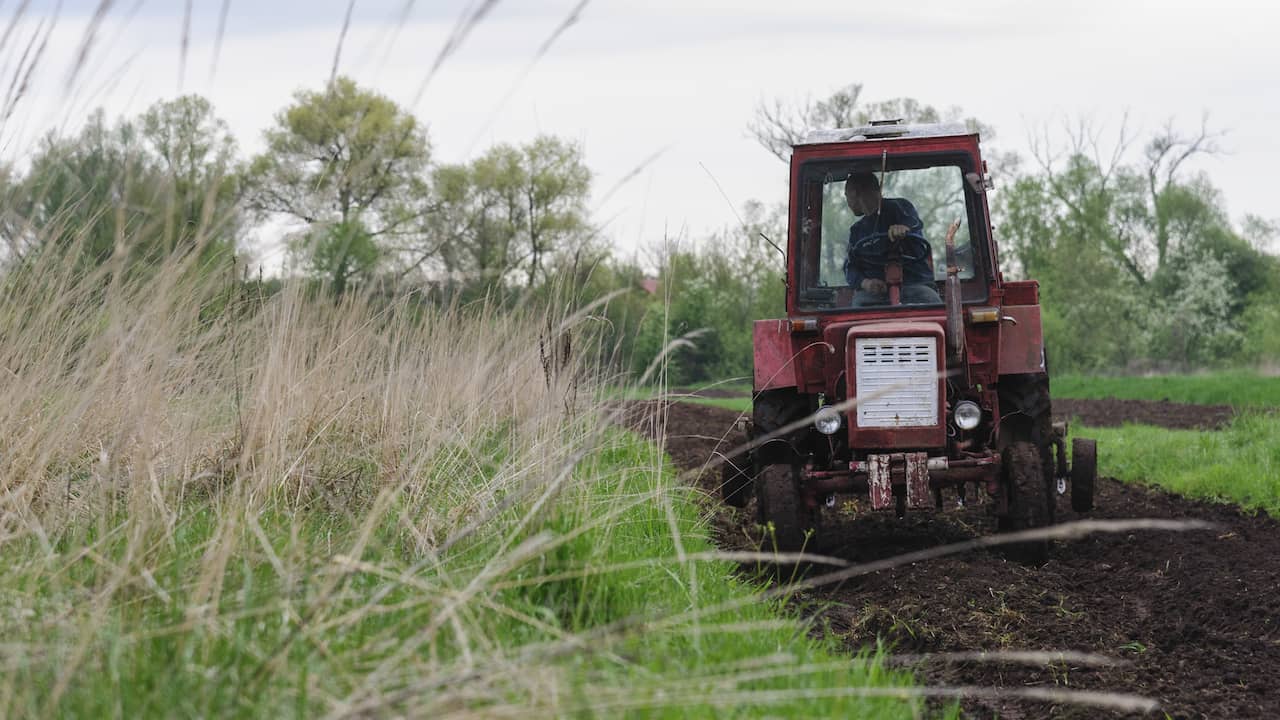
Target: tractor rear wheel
<point>1084,473</point>
<point>782,509</point>
<point>1030,493</point>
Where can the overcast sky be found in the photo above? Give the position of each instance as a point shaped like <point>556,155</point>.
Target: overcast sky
<point>681,78</point>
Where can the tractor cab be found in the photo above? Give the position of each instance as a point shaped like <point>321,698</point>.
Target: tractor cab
<point>850,195</point>
<point>906,366</point>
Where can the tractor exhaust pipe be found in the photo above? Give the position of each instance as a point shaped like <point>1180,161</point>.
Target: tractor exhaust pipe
<point>951,295</point>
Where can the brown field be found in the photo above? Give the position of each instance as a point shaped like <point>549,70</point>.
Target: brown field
<point>1190,618</point>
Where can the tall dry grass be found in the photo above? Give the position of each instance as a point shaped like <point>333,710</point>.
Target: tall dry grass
<point>296,432</point>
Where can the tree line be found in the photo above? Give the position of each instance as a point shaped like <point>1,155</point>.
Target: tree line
<point>347,179</point>
<point>1139,264</point>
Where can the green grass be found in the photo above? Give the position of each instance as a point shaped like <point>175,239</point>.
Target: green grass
<point>737,404</point>
<point>734,385</point>
<point>1239,464</point>
<point>691,639</point>
<point>741,403</point>
<point>1237,388</point>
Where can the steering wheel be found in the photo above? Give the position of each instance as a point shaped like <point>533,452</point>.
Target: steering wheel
<point>906,257</point>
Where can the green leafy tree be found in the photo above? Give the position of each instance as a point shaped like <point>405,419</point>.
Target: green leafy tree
<point>512,213</point>
<point>349,166</point>
<point>92,194</point>
<point>132,192</point>
<point>620,318</point>
<point>554,190</point>
<point>196,151</point>
<point>1261,316</point>
<point>1261,322</point>
<point>479,217</point>
<point>1138,262</point>
<point>345,250</point>
<point>712,293</point>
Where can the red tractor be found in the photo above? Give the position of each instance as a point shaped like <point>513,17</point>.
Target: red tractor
<point>907,366</point>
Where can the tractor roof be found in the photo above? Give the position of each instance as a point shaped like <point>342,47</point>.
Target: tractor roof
<point>885,130</point>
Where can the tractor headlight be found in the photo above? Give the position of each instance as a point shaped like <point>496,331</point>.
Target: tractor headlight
<point>827,420</point>
<point>968,414</point>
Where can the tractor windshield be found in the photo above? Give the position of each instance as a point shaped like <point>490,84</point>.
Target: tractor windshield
<point>859,222</point>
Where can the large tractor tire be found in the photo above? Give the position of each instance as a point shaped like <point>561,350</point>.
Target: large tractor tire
<point>1030,493</point>
<point>1027,412</point>
<point>772,410</point>
<point>781,509</point>
<point>1084,473</point>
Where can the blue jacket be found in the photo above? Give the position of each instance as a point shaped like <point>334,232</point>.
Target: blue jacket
<point>869,245</point>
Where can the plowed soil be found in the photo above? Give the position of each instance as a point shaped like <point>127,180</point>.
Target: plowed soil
<point>1162,413</point>
<point>1195,616</point>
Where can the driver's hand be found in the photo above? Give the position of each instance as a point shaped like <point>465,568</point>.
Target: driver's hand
<point>898,233</point>
<point>875,287</point>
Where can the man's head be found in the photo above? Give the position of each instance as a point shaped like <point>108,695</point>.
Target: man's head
<point>862,192</point>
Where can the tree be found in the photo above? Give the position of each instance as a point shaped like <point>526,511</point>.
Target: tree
<point>1139,250</point>
<point>555,191</point>
<point>349,165</point>
<point>196,150</point>
<point>511,211</point>
<point>780,124</point>
<point>92,195</point>
<point>715,290</point>
<point>480,214</point>
<point>134,192</point>
<point>1142,214</point>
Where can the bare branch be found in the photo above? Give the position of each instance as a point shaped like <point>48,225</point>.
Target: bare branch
<point>778,126</point>
<point>1203,143</point>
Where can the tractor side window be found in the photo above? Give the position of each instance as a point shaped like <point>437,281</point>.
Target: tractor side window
<point>836,220</point>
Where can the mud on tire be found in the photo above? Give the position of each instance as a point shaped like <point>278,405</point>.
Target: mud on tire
<point>1084,471</point>
<point>779,504</point>
<point>1031,499</point>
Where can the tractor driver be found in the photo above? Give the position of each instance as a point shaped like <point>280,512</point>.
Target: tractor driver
<point>883,221</point>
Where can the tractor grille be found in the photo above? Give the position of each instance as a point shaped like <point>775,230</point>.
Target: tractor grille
<point>897,382</point>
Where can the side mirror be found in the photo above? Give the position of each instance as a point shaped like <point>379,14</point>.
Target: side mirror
<point>979,183</point>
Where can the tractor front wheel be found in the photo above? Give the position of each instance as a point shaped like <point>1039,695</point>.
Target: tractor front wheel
<point>1084,473</point>
<point>1030,492</point>
<point>790,524</point>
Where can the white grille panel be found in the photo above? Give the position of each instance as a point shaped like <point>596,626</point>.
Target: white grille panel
<point>897,381</point>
